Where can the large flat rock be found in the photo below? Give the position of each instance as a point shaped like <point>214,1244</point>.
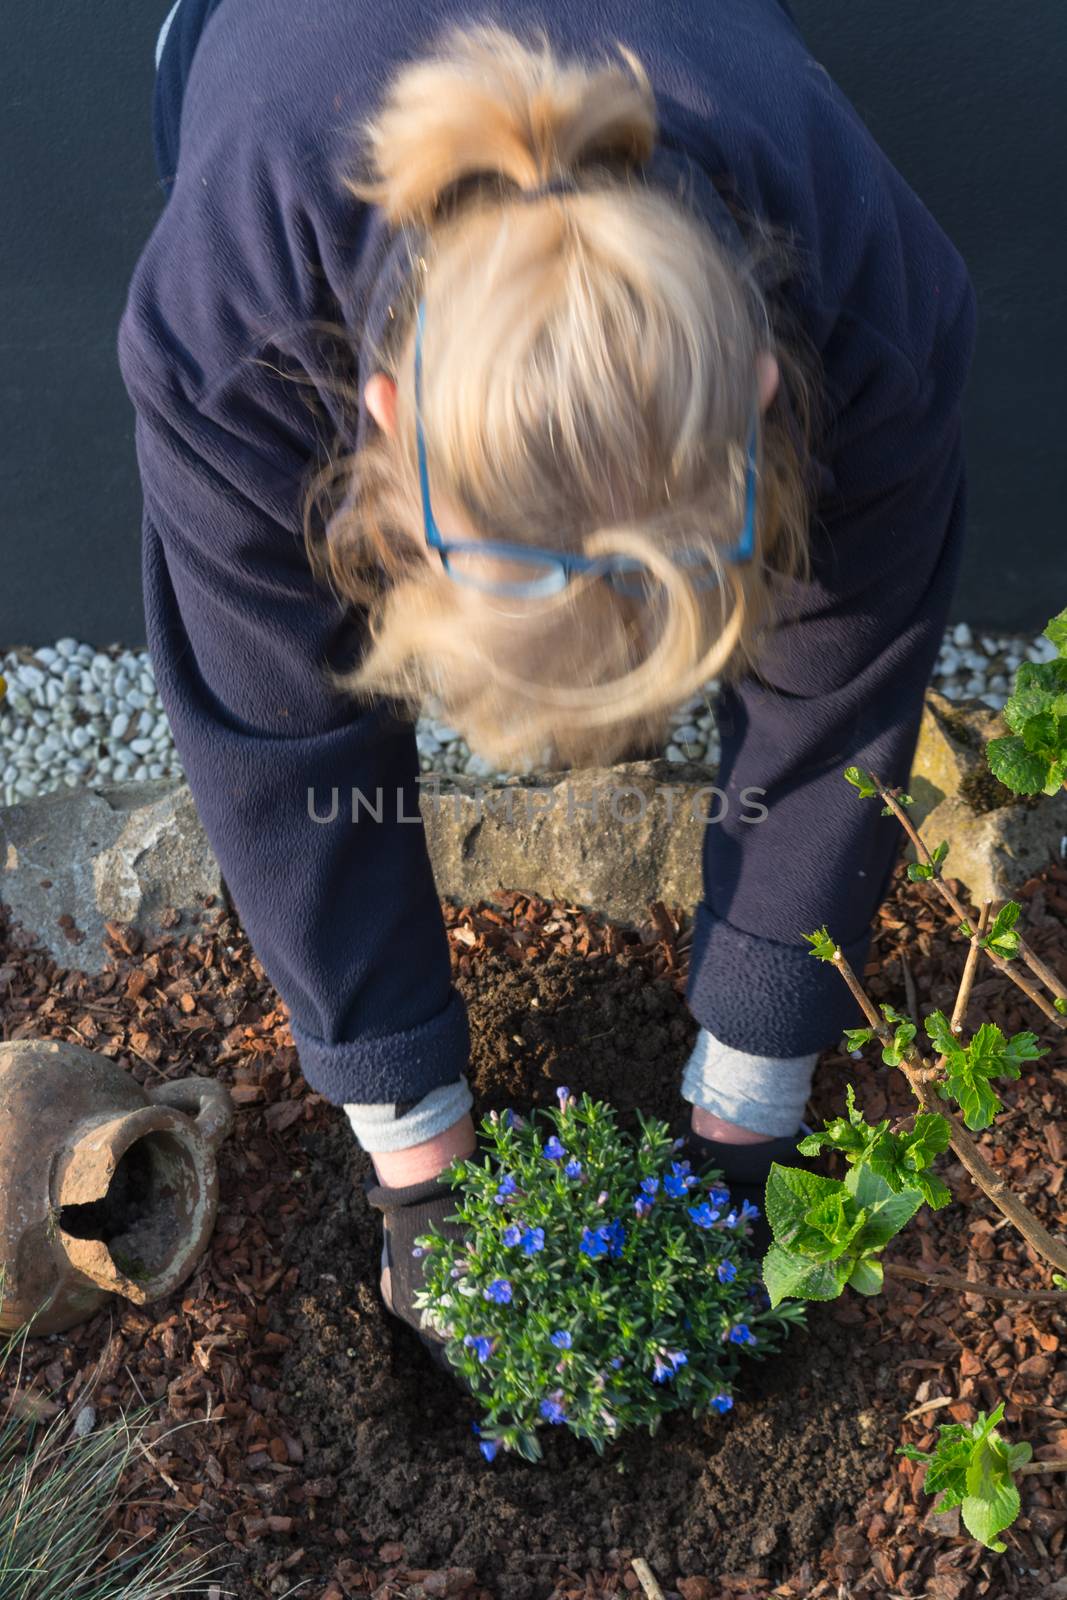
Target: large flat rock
<point>74,860</point>
<point>613,839</point>
<point>996,839</point>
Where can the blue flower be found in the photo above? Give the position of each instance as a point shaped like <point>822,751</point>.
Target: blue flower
<point>679,1179</point>
<point>561,1339</point>
<point>506,1187</point>
<point>642,1205</point>
<point>719,1197</point>
<point>726,1272</point>
<point>489,1448</point>
<point>730,1220</point>
<point>499,1291</point>
<point>554,1151</point>
<point>722,1403</point>
<point>512,1236</point>
<point>667,1363</point>
<point>482,1347</point>
<point>533,1240</point>
<point>615,1234</point>
<point>679,1144</point>
<point>552,1408</point>
<point>573,1169</point>
<point>650,1185</point>
<point>749,1212</point>
<point>593,1244</point>
<point>703,1215</point>
<point>507,1117</point>
<point>616,1362</point>
<point>563,1094</point>
<point>418,1252</point>
<point>741,1335</point>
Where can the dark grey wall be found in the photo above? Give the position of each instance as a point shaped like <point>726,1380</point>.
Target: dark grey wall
<point>965,96</point>
<point>78,197</point>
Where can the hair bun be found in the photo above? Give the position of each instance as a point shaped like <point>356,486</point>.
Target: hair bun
<point>488,111</point>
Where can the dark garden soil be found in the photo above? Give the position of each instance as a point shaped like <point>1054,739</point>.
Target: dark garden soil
<point>328,1458</point>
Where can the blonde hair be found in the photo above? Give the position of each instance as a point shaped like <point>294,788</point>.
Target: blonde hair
<point>589,379</point>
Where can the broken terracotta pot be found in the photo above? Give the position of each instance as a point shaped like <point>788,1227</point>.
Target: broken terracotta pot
<point>105,1187</point>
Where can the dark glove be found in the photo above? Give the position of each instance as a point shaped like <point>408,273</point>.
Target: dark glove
<point>406,1214</point>
<point>745,1169</point>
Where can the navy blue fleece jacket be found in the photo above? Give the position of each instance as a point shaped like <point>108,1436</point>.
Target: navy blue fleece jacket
<point>229,379</point>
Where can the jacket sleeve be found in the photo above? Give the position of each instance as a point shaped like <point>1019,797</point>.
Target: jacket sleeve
<point>342,913</point>
<point>844,676</point>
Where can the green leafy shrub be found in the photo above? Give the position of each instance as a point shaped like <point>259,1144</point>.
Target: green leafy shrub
<point>1033,758</point>
<point>829,1234</point>
<point>600,1282</point>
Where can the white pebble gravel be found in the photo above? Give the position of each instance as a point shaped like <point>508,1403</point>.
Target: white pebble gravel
<point>74,715</point>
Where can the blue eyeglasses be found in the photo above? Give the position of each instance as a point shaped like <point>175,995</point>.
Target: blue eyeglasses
<point>547,572</point>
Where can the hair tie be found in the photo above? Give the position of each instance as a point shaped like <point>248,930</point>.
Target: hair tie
<point>559,183</point>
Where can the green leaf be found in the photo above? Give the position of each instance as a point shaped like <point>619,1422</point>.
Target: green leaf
<point>934,1191</point>
<point>937,856</point>
<point>1019,769</point>
<point>1019,1048</point>
<point>831,1225</point>
<point>795,1277</point>
<point>867,1276</point>
<point>1002,936</point>
<point>930,1136</point>
<point>942,1037</point>
<point>810,1215</point>
<point>918,871</point>
<point>1056,777</point>
<point>887,1219</point>
<point>991,1503</point>
<point>893,1054</point>
<point>856,1038</point>
<point>1060,1005</point>
<point>1056,632</point>
<point>886,1211</point>
<point>966,930</point>
<point>822,946</point>
<point>861,780</point>
<point>969,1071</point>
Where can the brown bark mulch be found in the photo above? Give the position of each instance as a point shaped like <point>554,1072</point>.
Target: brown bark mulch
<point>325,1457</point>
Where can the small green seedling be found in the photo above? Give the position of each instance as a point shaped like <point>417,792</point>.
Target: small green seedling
<point>974,1468</point>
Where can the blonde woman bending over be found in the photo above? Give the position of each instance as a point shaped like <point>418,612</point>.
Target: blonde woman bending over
<point>551,371</point>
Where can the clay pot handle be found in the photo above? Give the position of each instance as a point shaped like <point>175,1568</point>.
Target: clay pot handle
<point>205,1100</point>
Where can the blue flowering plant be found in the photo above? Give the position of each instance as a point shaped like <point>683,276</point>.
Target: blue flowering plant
<point>599,1284</point>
